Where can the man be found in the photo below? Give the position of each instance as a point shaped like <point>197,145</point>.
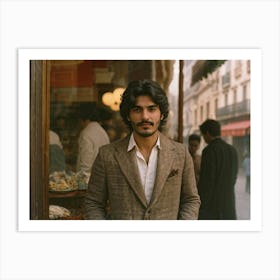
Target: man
<point>193,145</point>
<point>145,176</point>
<point>91,138</point>
<point>219,167</point>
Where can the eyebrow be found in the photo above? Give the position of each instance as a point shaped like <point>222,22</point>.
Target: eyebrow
<point>149,107</point>
<point>153,106</point>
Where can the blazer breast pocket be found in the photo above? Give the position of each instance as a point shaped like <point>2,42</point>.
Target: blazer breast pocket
<point>173,172</point>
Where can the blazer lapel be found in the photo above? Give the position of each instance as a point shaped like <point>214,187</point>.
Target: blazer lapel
<point>128,166</point>
<point>164,164</point>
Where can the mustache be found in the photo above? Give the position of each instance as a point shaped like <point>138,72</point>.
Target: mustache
<point>144,122</point>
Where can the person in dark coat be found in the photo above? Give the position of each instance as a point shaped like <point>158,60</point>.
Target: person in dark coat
<point>219,168</point>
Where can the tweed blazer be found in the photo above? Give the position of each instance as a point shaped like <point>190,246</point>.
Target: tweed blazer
<point>115,178</point>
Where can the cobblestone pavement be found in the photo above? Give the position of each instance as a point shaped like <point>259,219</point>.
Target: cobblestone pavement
<point>242,198</point>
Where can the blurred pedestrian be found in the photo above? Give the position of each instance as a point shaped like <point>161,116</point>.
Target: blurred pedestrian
<point>193,145</point>
<point>219,168</point>
<point>91,138</point>
<point>246,169</point>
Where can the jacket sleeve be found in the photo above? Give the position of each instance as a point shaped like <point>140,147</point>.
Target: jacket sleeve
<point>189,201</point>
<point>96,198</point>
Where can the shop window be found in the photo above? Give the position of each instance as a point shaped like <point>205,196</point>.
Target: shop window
<point>59,90</point>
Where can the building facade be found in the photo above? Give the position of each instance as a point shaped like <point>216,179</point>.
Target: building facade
<point>223,95</point>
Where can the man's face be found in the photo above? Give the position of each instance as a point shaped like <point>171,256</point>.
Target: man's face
<point>145,116</point>
<point>193,146</point>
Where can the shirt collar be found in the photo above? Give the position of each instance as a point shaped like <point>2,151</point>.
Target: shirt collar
<point>132,143</point>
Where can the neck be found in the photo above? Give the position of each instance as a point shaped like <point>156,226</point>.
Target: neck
<point>145,143</point>
<point>213,138</point>
<point>85,123</point>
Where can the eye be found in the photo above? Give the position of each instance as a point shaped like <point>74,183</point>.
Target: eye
<point>136,109</point>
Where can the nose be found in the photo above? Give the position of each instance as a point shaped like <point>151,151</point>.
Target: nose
<point>145,114</point>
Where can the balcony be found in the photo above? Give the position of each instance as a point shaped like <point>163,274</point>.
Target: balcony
<point>234,110</point>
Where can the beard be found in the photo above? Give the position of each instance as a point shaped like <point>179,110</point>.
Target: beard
<point>150,130</point>
<point>145,133</point>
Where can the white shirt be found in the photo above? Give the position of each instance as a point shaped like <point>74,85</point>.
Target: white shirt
<point>147,172</point>
<point>54,139</point>
<point>91,139</point>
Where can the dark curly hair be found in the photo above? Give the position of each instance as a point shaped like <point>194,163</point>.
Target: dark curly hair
<point>143,88</point>
<point>213,127</point>
<point>194,137</point>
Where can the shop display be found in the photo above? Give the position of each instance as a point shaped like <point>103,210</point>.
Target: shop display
<point>58,212</point>
<point>67,182</point>
<point>62,182</point>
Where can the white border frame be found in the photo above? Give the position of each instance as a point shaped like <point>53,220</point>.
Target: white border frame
<point>24,57</point>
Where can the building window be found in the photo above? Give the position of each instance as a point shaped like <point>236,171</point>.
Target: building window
<point>207,109</point>
<point>201,113</point>
<point>195,116</point>
<point>244,92</point>
<point>234,95</point>
<point>248,66</point>
<point>237,69</point>
<point>226,99</point>
<point>226,76</point>
<point>216,106</point>
<point>226,79</point>
<point>228,64</point>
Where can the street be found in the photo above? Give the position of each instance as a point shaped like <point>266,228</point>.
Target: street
<point>242,198</point>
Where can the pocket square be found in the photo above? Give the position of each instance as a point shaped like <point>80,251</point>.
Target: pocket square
<point>173,173</point>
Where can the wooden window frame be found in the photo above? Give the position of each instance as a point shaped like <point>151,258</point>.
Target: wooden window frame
<point>39,138</point>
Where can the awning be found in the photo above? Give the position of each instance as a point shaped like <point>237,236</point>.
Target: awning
<point>236,128</point>
<point>202,68</point>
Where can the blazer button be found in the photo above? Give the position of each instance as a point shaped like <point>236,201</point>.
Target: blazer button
<point>147,215</point>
